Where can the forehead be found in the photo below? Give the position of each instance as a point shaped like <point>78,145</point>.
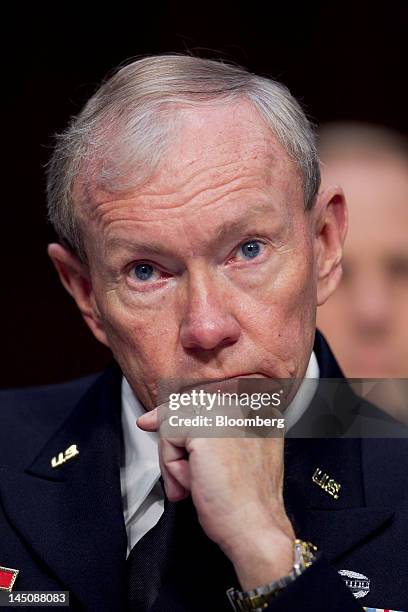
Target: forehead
<point>228,134</point>
<point>223,162</point>
<point>213,143</point>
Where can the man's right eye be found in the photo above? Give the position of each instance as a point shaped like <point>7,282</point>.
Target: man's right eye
<point>143,271</point>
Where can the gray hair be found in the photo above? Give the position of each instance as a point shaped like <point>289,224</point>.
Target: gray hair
<point>125,128</point>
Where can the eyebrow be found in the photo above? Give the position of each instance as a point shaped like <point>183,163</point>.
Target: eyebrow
<point>230,227</point>
<point>225,230</point>
<point>131,245</point>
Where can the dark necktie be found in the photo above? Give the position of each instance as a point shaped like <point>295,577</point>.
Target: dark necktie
<point>178,558</point>
<point>149,560</point>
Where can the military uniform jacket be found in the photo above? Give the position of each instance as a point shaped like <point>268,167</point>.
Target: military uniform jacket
<point>63,528</point>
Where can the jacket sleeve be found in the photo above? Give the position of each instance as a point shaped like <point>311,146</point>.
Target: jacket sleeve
<point>318,589</point>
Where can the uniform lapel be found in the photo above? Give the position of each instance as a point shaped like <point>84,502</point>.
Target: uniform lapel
<point>71,516</point>
<point>335,526</point>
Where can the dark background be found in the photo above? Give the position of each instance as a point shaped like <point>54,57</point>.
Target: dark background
<point>341,60</point>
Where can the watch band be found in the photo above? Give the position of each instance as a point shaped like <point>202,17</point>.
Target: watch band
<point>258,599</point>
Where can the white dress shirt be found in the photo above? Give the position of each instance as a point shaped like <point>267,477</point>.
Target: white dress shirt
<point>142,495</point>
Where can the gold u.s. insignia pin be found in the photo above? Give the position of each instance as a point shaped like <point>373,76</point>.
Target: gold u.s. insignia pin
<point>62,457</point>
<point>326,483</point>
<point>7,578</point>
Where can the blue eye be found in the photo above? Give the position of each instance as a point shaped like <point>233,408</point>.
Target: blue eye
<point>143,271</point>
<point>250,249</point>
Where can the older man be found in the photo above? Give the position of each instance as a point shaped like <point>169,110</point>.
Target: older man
<point>197,246</point>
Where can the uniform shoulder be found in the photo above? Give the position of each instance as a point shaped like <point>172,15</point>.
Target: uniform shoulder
<point>29,415</point>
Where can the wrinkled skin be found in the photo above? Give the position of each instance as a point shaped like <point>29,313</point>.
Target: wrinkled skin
<point>209,309</point>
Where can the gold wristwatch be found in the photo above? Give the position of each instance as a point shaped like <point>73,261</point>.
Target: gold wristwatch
<point>258,599</point>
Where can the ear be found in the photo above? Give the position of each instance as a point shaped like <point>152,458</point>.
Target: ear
<point>76,279</point>
<point>330,232</point>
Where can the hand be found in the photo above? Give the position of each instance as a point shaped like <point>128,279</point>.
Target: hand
<point>236,487</point>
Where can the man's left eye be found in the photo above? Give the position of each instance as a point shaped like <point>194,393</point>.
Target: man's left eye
<point>250,249</point>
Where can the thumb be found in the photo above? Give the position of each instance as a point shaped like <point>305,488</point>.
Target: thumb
<point>149,421</point>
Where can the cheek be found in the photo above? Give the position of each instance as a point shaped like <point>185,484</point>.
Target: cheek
<point>287,298</point>
<point>280,315</point>
<point>136,335</point>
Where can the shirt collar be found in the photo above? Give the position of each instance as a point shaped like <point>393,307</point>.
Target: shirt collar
<point>140,460</point>
<point>304,395</point>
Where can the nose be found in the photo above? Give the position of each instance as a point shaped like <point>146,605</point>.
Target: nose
<point>208,321</point>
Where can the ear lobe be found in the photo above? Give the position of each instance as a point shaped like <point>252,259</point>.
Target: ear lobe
<point>331,229</point>
<point>75,277</point>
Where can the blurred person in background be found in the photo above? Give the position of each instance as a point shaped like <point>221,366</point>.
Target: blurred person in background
<point>366,320</point>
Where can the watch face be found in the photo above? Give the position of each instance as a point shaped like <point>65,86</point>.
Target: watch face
<point>304,554</point>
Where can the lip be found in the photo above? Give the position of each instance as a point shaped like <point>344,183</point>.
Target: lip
<point>226,379</point>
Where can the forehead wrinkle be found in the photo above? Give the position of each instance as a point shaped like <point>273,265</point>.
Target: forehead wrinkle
<point>111,213</point>
<point>150,194</point>
<point>229,226</point>
<point>151,204</point>
<point>211,192</point>
<point>115,215</point>
<point>212,175</point>
<point>256,172</point>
